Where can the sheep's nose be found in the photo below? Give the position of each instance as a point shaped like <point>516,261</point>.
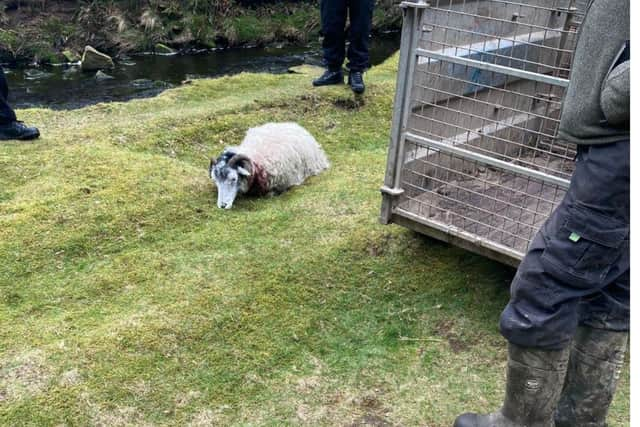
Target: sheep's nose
<point>223,205</point>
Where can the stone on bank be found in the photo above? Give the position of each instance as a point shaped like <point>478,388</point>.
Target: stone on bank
<point>93,60</point>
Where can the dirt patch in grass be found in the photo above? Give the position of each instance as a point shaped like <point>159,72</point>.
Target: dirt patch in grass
<point>23,375</point>
<point>446,329</point>
<point>354,103</point>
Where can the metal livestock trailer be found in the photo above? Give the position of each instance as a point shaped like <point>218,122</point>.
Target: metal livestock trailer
<point>473,158</point>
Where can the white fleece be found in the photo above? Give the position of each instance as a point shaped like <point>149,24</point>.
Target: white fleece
<point>286,151</point>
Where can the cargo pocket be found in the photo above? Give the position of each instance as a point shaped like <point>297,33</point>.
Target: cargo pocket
<point>581,245</point>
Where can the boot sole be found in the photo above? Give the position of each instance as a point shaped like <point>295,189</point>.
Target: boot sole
<point>328,84</point>
<point>20,138</point>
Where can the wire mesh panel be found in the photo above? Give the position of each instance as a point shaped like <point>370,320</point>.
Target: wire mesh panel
<point>474,152</point>
<point>502,207</point>
<point>489,112</point>
<point>534,35</point>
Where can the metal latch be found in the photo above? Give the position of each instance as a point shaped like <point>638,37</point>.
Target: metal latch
<point>393,192</point>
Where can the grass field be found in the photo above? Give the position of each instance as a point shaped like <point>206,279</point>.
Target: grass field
<point>128,298</point>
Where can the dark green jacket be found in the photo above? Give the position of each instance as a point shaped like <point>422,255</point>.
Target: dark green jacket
<point>596,107</point>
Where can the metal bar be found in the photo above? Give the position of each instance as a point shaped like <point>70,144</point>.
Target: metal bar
<point>406,109</point>
<point>486,211</point>
<point>489,18</point>
<point>479,135</point>
<point>430,231</point>
<point>485,86</point>
<point>456,232</point>
<point>529,6</point>
<point>403,87</point>
<point>542,78</point>
<point>420,4</point>
<point>456,150</point>
<point>486,196</point>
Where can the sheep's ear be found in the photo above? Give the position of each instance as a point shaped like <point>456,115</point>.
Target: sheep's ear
<point>242,171</point>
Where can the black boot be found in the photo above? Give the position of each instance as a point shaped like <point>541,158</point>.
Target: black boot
<point>329,78</point>
<point>356,81</point>
<point>594,368</point>
<point>534,384</point>
<point>18,130</point>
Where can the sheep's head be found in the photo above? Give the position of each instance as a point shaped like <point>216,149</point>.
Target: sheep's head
<point>231,173</point>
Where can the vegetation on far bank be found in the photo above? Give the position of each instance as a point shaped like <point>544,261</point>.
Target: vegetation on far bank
<point>128,298</point>
<point>40,31</point>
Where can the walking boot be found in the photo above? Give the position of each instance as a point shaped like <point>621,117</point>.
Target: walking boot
<point>356,81</point>
<point>534,384</point>
<point>18,130</point>
<point>594,368</point>
<point>329,78</point>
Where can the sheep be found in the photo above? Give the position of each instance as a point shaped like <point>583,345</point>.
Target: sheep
<point>271,159</point>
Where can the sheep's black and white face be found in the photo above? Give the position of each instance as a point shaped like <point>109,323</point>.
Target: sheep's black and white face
<point>230,179</point>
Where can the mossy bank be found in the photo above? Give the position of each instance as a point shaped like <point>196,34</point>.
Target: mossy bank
<point>128,298</point>
<point>57,30</point>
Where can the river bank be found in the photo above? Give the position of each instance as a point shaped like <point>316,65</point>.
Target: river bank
<point>57,30</point>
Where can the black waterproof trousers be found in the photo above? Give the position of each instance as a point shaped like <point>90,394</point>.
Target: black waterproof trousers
<point>7,114</point>
<point>576,271</point>
<point>334,20</point>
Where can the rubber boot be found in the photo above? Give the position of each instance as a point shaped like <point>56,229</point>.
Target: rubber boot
<point>596,360</point>
<point>534,383</point>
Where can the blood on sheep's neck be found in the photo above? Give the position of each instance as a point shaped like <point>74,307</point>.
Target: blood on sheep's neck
<point>258,181</point>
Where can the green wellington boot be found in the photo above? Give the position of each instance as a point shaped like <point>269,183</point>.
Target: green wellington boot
<point>596,360</point>
<point>534,383</point>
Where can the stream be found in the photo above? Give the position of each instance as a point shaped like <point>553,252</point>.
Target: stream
<point>66,87</point>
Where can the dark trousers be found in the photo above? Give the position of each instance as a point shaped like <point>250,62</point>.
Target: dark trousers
<point>576,271</point>
<point>334,19</point>
<point>6,113</point>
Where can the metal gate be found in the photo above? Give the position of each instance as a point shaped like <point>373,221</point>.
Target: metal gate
<point>473,158</point>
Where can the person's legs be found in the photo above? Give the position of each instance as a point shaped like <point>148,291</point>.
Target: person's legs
<point>597,357</point>
<point>7,115</point>
<point>360,16</point>
<point>573,273</point>
<point>333,14</point>
<point>575,268</point>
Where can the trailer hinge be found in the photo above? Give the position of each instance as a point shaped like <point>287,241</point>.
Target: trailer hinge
<point>393,192</point>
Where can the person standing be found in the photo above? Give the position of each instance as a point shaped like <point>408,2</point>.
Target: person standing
<point>10,127</point>
<point>567,322</point>
<point>333,14</point>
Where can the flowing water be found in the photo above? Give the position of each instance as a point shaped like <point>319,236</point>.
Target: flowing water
<point>66,87</point>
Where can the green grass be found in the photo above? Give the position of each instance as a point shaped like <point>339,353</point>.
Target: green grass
<point>128,298</point>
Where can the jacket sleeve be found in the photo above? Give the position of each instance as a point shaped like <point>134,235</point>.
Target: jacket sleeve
<point>615,95</point>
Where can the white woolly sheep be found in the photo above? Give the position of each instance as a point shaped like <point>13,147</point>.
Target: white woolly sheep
<point>271,158</point>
